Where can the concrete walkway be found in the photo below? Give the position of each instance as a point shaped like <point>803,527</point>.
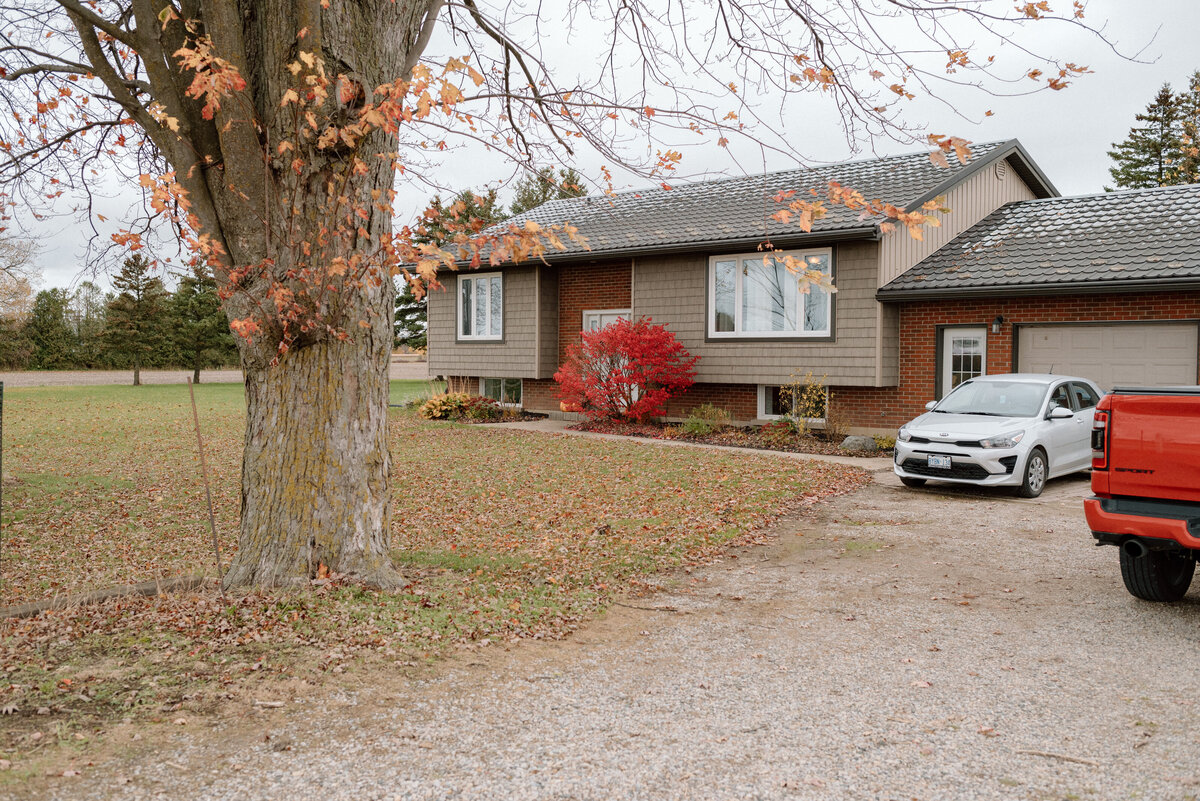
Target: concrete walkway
<point>873,464</point>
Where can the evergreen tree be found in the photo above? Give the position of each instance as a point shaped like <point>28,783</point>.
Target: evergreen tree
<point>53,341</point>
<point>411,318</point>
<point>1151,154</point>
<point>85,315</point>
<point>136,323</point>
<point>202,335</point>
<point>16,349</point>
<point>534,190</point>
<point>467,212</point>
<point>1188,101</point>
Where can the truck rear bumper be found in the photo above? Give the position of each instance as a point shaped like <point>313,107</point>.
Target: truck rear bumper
<point>1114,519</point>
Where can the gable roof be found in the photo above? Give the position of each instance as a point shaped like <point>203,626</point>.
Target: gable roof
<point>736,212</point>
<point>1137,239</point>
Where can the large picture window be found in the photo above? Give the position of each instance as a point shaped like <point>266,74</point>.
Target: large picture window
<point>756,296</point>
<point>481,306</point>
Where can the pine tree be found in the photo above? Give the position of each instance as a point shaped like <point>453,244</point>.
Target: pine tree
<point>49,333</point>
<point>536,189</point>
<point>1150,154</point>
<point>1188,102</point>
<point>136,323</point>
<point>468,211</point>
<point>411,319</point>
<point>202,335</point>
<point>16,349</point>
<point>85,315</point>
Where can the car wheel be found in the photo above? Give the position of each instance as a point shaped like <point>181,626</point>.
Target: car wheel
<point>1035,474</point>
<point>1157,575</point>
<point>912,482</point>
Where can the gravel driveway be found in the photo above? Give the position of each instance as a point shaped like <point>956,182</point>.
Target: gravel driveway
<point>892,644</point>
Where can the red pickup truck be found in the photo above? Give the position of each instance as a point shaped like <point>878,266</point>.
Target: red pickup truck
<point>1146,480</point>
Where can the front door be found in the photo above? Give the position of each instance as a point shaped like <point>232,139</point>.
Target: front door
<point>964,355</point>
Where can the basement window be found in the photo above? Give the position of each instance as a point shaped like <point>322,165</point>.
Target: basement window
<point>505,391</point>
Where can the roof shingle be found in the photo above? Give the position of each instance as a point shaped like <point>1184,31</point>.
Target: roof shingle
<point>735,209</point>
<point>1111,239</point>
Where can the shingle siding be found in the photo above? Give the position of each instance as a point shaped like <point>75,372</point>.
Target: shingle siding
<point>672,290</point>
<point>516,356</point>
<point>548,283</point>
<point>1135,238</point>
<point>969,202</point>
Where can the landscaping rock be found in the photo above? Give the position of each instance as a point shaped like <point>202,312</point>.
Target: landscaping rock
<point>853,443</point>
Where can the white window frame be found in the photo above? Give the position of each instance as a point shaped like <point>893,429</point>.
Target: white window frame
<point>737,333</point>
<point>599,312</point>
<point>473,337</point>
<point>947,347</point>
<point>763,394</point>
<point>502,380</point>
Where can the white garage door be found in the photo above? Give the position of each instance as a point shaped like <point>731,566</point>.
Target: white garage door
<point>1118,354</point>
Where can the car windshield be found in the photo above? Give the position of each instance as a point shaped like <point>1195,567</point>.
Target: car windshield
<point>998,398</point>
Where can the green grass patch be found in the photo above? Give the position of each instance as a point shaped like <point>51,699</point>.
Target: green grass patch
<point>499,535</point>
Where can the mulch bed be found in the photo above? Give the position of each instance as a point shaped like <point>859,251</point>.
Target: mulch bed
<point>732,436</point>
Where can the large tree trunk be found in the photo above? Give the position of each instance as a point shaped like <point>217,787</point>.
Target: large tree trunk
<point>316,462</point>
<point>315,469</point>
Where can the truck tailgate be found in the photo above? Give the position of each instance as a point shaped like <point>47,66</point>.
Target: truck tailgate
<point>1154,446</point>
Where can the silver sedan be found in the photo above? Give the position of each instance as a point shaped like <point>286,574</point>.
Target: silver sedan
<point>1001,430</point>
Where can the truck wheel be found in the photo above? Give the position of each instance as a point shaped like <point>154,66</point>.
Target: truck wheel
<point>912,482</point>
<point>1157,575</point>
<point>1035,475</point>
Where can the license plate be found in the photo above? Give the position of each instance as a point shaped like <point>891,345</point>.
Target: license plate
<point>942,462</point>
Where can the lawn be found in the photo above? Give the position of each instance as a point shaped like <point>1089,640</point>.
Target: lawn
<point>499,534</point>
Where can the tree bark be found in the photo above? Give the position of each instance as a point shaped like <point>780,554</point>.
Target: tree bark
<point>137,371</point>
<point>196,374</point>
<point>316,463</point>
<point>315,468</point>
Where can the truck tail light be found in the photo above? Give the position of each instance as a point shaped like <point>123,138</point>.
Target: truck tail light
<point>1100,441</point>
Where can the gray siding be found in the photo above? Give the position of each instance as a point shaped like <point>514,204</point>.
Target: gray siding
<point>516,356</point>
<point>672,290</point>
<point>969,202</point>
<point>888,364</point>
<point>548,325</point>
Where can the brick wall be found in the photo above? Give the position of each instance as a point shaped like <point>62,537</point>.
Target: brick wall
<point>890,407</point>
<point>540,395</point>
<point>740,400</point>
<point>588,288</point>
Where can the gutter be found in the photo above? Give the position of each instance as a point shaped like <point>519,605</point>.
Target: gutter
<point>869,232</point>
<point>1029,290</point>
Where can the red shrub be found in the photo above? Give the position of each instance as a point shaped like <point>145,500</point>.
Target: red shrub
<point>626,370</point>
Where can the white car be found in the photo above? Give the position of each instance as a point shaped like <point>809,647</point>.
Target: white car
<point>1001,430</point>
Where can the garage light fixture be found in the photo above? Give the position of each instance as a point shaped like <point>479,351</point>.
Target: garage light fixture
<point>999,321</point>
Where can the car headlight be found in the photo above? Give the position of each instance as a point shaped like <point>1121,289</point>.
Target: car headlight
<point>903,435</point>
<point>1004,440</point>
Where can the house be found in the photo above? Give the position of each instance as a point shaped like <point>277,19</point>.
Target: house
<point>1016,278</point>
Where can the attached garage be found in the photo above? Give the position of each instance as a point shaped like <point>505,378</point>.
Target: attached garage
<point>1113,354</point>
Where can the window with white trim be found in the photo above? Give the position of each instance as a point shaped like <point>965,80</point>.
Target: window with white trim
<point>756,295</point>
<point>775,402</point>
<point>505,391</point>
<point>481,306</point>
<point>594,320</point>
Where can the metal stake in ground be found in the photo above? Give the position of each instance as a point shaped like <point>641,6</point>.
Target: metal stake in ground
<point>212,519</point>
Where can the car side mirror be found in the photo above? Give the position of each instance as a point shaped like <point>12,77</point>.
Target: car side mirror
<point>1060,413</point>
<point>929,406</point>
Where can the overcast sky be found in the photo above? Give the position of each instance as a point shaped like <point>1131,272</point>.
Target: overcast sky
<point>1067,132</point>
